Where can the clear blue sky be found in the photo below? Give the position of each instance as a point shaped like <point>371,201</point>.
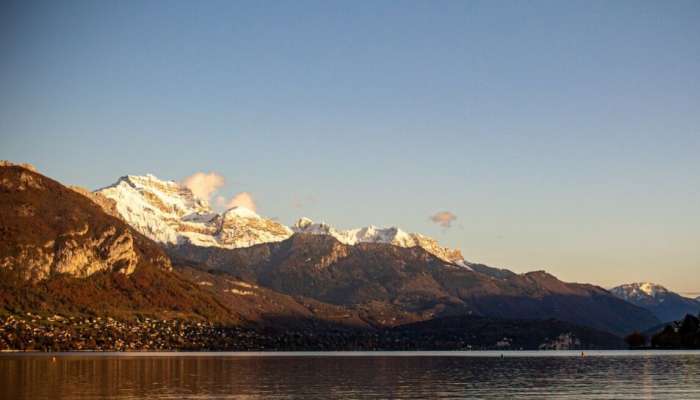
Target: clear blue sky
<point>565,135</point>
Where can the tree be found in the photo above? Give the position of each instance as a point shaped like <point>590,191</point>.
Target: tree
<point>636,339</point>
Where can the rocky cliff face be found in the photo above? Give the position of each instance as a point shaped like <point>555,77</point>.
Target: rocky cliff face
<point>48,229</point>
<point>76,253</point>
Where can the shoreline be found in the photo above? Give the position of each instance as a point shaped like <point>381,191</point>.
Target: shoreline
<point>375,353</point>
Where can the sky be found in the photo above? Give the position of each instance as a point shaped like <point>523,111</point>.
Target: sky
<point>562,136</point>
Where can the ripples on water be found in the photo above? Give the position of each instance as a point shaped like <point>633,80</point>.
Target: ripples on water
<point>551,375</point>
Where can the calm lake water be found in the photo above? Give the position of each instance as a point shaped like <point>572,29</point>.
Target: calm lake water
<point>397,375</point>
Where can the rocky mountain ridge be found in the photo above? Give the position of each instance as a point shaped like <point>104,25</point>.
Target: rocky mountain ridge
<point>169,213</point>
<point>372,234</point>
<point>665,304</point>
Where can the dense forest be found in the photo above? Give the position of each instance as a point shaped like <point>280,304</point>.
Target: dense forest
<point>684,334</point>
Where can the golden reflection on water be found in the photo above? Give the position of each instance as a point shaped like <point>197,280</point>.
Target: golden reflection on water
<point>89,376</point>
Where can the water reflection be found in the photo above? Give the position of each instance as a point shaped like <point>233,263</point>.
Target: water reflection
<point>204,376</point>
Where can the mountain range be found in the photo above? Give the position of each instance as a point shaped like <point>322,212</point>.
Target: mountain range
<point>664,304</point>
<point>389,275</point>
<point>169,213</point>
<point>148,247</point>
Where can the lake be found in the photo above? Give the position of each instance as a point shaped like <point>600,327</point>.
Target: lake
<point>397,375</point>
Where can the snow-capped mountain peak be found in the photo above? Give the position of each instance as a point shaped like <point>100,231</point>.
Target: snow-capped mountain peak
<point>665,304</point>
<point>240,212</point>
<point>170,213</point>
<point>652,289</point>
<point>303,223</point>
<point>167,196</point>
<point>639,290</point>
<point>372,234</point>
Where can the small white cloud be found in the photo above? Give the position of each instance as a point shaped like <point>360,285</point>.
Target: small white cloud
<point>443,218</point>
<point>203,185</point>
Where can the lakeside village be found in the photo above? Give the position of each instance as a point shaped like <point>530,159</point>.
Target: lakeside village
<point>31,332</point>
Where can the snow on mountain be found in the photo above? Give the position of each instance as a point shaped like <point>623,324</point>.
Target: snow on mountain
<point>170,213</point>
<point>639,291</point>
<point>372,234</point>
<point>665,304</point>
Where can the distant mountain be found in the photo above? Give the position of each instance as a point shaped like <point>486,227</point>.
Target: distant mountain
<point>665,304</point>
<point>393,285</point>
<point>372,234</point>
<point>639,291</point>
<point>169,213</point>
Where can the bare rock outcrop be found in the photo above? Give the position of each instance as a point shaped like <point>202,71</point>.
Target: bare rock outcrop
<point>48,229</point>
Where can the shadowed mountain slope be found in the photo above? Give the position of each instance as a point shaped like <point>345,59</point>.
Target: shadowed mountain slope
<point>381,279</point>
